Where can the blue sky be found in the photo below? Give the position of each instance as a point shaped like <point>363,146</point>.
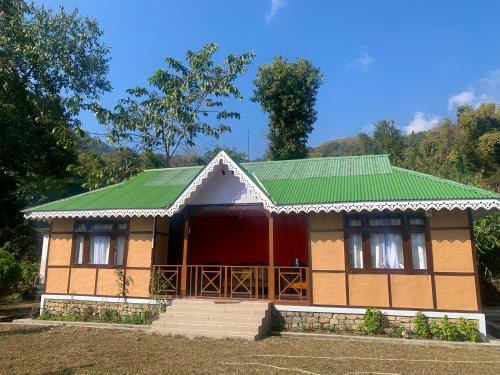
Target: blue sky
<point>412,61</point>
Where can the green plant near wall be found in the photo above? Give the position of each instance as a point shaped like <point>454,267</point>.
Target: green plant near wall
<point>421,326</point>
<point>372,322</point>
<point>123,282</point>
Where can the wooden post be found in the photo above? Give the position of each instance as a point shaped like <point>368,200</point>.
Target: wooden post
<point>184,256</point>
<point>270,276</point>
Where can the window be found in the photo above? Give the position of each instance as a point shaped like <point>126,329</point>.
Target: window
<point>100,243</point>
<point>389,242</point>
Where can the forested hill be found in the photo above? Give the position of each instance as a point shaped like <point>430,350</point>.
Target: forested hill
<point>467,150</point>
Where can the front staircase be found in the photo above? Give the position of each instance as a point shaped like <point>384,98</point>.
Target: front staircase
<point>249,320</point>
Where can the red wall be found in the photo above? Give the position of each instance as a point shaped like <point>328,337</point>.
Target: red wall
<point>231,240</point>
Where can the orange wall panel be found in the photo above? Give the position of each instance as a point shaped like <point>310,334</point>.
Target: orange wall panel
<point>368,290</point>
<point>322,221</point>
<point>446,218</point>
<point>141,224</point>
<point>163,224</point>
<point>327,251</point>
<point>452,251</point>
<point>107,283</point>
<point>62,225</point>
<point>57,280</point>
<point>60,249</point>
<point>82,281</point>
<point>411,291</point>
<point>139,286</point>
<point>139,250</point>
<point>456,293</point>
<point>328,288</point>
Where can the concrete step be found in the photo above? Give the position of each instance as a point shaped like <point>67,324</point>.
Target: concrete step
<point>215,318</point>
<point>216,311</point>
<point>207,333</point>
<point>206,326</point>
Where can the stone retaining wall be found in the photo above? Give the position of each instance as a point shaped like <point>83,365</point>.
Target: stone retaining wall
<point>294,320</point>
<point>63,306</point>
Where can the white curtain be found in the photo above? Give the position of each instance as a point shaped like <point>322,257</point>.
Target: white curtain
<point>120,247</point>
<point>356,250</point>
<point>79,250</point>
<point>418,253</point>
<point>387,251</point>
<point>99,250</point>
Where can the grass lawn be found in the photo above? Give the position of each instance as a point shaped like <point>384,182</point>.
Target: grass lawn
<point>71,350</point>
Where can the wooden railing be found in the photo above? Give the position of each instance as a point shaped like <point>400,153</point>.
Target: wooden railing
<point>293,283</point>
<point>227,281</point>
<point>240,282</point>
<point>166,280</point>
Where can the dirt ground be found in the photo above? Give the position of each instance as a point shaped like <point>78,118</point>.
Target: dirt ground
<point>70,350</point>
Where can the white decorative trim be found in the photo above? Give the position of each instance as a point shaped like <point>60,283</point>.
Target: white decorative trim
<point>71,297</point>
<point>225,159</point>
<point>40,215</point>
<point>461,204</point>
<point>410,313</point>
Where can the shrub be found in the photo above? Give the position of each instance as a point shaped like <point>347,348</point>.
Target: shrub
<point>421,326</point>
<point>10,270</point>
<point>468,330</point>
<point>462,331</point>
<point>372,322</point>
<point>110,316</point>
<point>29,275</point>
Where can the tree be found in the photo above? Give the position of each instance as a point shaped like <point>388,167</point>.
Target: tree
<point>181,103</point>
<point>237,156</point>
<point>387,139</point>
<point>287,92</point>
<point>52,64</point>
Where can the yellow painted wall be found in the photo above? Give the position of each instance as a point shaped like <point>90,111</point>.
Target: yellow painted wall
<point>139,286</point>
<point>63,225</point>
<point>139,250</point>
<point>57,280</point>
<point>82,281</point>
<point>141,224</point>
<point>446,218</point>
<point>60,249</point>
<point>456,293</point>
<point>322,221</point>
<point>452,251</point>
<point>411,291</point>
<point>107,282</point>
<point>329,288</point>
<point>368,290</point>
<point>327,250</point>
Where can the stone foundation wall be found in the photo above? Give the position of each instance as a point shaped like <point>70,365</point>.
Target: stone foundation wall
<point>62,307</point>
<point>294,321</point>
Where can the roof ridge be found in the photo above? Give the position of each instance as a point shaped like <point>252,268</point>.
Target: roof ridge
<point>448,181</point>
<point>317,158</point>
<point>173,168</point>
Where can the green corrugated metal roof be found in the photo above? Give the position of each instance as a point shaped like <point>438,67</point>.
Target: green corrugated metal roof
<point>306,181</point>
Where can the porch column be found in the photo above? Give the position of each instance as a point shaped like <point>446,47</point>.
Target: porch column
<point>184,256</point>
<point>270,278</point>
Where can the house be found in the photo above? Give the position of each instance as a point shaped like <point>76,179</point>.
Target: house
<point>328,235</point>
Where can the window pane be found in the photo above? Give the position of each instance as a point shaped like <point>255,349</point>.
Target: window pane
<point>122,226</point>
<point>99,250</point>
<point>81,227</point>
<point>356,250</point>
<point>120,248</point>
<point>384,221</point>
<point>387,250</point>
<point>78,256</point>
<point>102,227</point>
<point>418,251</point>
<point>416,221</point>
<point>355,222</point>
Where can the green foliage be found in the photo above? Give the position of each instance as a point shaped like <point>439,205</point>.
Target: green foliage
<point>89,314</point>
<point>386,139</point>
<point>10,270</point>
<point>182,102</point>
<point>29,274</point>
<point>287,92</point>
<point>372,322</point>
<point>487,239</point>
<point>462,331</point>
<point>421,326</point>
<point>123,282</point>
